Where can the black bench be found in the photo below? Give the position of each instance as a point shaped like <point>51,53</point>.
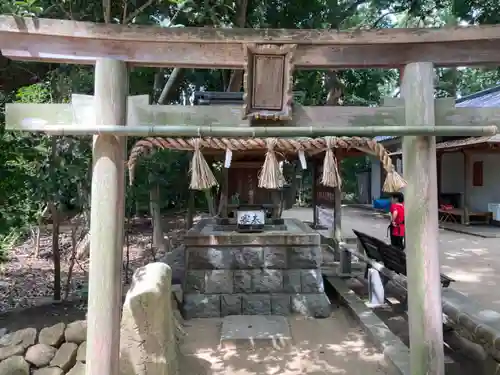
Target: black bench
<point>388,260</point>
<point>390,256</point>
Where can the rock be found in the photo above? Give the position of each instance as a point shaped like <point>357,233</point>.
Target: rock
<point>267,281</point>
<point>275,257</point>
<point>9,351</point>
<point>81,354</point>
<point>280,304</point>
<point>65,357</point>
<point>304,257</point>
<point>315,305</point>
<point>219,281</point>
<point>147,342</point>
<point>14,366</point>
<point>76,332</point>
<point>242,280</point>
<point>202,306</point>
<point>291,281</point>
<point>48,371</point>
<point>247,258</point>
<point>25,337</point>
<point>311,281</point>
<point>53,336</point>
<point>176,261</point>
<point>77,369</point>
<point>40,355</point>
<point>230,305</point>
<point>256,304</point>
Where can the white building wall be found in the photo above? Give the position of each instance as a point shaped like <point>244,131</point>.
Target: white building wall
<point>452,173</point>
<point>452,179</point>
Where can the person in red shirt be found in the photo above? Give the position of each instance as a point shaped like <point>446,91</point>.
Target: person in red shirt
<point>397,226</point>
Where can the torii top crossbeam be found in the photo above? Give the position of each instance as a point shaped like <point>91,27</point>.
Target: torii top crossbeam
<point>64,41</point>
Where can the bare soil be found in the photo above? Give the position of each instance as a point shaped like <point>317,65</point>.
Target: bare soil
<point>26,281</point>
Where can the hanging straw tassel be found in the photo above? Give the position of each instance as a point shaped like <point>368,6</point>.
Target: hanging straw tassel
<point>393,182</point>
<point>271,175</point>
<point>331,175</point>
<point>202,177</point>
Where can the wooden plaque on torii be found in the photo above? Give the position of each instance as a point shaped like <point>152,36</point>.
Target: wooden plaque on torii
<point>268,82</point>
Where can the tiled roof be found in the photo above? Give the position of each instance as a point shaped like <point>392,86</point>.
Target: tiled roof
<point>484,98</point>
<point>380,138</point>
<point>460,143</point>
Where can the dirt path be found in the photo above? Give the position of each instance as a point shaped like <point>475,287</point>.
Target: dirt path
<point>319,347</point>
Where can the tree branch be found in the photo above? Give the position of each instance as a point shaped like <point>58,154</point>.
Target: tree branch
<point>106,7</point>
<point>138,11</point>
<point>174,77</point>
<point>236,80</point>
<point>125,6</point>
<point>378,20</point>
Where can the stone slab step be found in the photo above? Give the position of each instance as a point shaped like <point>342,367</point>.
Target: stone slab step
<point>255,331</point>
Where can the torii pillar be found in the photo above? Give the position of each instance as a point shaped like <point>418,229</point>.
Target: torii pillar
<point>421,219</point>
<point>106,220</point>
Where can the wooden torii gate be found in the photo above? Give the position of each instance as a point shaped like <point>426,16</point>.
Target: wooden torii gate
<point>268,58</point>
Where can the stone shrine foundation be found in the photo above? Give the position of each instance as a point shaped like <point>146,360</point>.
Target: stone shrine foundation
<point>275,272</point>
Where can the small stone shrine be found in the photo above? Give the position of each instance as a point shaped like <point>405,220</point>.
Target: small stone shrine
<point>276,271</point>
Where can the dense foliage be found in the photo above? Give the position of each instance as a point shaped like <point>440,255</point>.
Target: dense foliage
<point>37,169</point>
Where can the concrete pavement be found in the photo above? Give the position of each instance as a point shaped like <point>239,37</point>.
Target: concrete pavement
<point>473,261</point>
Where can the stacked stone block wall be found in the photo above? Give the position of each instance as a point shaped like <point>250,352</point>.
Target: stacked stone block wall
<point>254,274</point>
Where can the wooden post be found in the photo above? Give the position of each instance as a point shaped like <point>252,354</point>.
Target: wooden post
<point>190,212</point>
<point>314,192</point>
<point>106,224</point>
<point>224,193</point>
<point>439,165</point>
<point>337,225</point>
<point>467,183</point>
<point>424,288</point>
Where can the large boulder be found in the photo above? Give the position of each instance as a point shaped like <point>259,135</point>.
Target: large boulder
<point>14,366</point>
<point>48,371</point>
<point>25,337</point>
<point>147,344</point>
<point>9,351</point>
<point>76,332</point>
<point>77,369</point>
<point>176,261</point>
<point>53,336</point>
<point>81,354</point>
<point>40,355</point>
<point>65,357</point>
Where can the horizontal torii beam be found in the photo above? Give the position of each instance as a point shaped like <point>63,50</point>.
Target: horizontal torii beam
<point>258,132</point>
<point>65,41</point>
<point>78,117</point>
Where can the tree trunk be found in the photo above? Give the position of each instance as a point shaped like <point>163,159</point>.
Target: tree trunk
<point>154,199</point>
<point>154,192</point>
<point>335,89</point>
<point>56,256</point>
<point>236,80</point>
<point>210,202</point>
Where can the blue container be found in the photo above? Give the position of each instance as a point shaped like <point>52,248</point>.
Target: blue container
<point>382,204</point>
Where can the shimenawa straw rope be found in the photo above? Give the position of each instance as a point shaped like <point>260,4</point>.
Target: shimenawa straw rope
<point>271,175</point>
<point>331,176</point>
<point>202,177</point>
